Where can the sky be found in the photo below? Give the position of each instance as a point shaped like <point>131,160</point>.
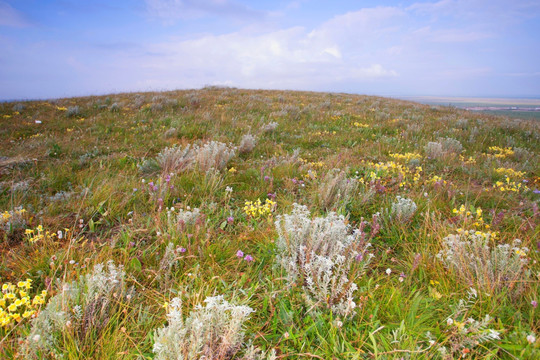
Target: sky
<point>64,48</point>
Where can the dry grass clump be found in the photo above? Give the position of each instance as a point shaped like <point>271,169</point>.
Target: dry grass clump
<point>247,144</point>
<point>451,145</point>
<point>175,159</point>
<point>474,262</point>
<point>434,150</point>
<point>320,254</point>
<point>270,127</point>
<point>443,147</point>
<point>213,331</point>
<point>335,189</point>
<point>213,154</point>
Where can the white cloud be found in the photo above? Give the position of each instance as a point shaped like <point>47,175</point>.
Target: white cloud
<point>344,48</point>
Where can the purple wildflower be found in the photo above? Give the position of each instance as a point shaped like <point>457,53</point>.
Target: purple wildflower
<point>248,258</point>
<point>239,254</point>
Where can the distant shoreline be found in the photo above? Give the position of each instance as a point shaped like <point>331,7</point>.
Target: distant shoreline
<point>477,101</point>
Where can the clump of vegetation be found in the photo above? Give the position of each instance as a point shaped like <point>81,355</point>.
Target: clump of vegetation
<point>80,312</point>
<point>403,209</point>
<point>213,155</point>
<point>247,144</point>
<point>175,159</point>
<point>324,256</point>
<point>336,189</point>
<point>213,331</point>
<point>469,255</point>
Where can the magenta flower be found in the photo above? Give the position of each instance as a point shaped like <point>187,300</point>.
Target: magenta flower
<point>248,258</point>
<point>230,219</point>
<point>240,254</point>
<point>534,303</point>
<point>182,250</point>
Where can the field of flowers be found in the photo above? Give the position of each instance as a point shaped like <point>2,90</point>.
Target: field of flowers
<point>223,223</point>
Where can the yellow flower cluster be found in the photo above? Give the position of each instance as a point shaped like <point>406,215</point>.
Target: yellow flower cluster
<point>313,164</point>
<point>405,157</point>
<point>310,175</point>
<point>34,235</point>
<point>6,215</point>
<point>360,125</point>
<point>61,108</point>
<point>500,152</point>
<point>509,185</point>
<point>509,172</point>
<point>256,209</point>
<point>467,161</point>
<point>405,175</point>
<point>486,235</point>
<point>436,179</point>
<point>12,216</point>
<point>322,133</point>
<point>471,217</point>
<point>15,304</point>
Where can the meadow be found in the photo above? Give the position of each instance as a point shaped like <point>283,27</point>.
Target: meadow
<point>224,223</point>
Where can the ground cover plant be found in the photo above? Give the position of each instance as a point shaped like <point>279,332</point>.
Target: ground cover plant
<point>243,224</point>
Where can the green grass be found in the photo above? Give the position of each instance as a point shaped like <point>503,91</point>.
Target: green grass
<point>82,173</point>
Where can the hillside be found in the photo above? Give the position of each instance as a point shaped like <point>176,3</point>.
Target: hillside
<point>165,225</point>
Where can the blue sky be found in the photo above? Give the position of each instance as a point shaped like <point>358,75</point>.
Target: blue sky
<point>62,48</point>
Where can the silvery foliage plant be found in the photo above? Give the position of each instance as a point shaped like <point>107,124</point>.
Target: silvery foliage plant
<point>213,331</point>
<point>324,255</point>
<point>403,209</point>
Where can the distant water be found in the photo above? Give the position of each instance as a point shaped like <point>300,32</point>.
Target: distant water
<point>524,108</point>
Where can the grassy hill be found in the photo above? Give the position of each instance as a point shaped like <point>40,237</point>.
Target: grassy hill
<point>253,224</point>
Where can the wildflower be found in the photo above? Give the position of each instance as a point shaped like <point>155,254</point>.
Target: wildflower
<point>239,254</point>
<point>182,250</point>
<point>531,339</point>
<point>401,277</point>
<point>248,258</point>
<point>534,303</point>
<point>388,271</point>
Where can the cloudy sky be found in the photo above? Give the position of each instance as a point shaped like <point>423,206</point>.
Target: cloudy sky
<point>61,48</point>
